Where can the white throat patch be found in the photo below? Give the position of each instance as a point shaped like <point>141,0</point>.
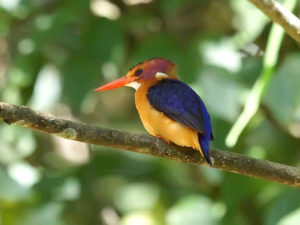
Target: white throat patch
<point>160,75</point>
<point>134,85</point>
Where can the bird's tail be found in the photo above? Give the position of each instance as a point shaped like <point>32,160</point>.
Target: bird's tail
<point>204,143</point>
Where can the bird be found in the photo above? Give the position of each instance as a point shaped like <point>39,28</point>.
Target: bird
<point>168,108</point>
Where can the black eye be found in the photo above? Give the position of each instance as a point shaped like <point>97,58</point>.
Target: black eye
<point>138,72</point>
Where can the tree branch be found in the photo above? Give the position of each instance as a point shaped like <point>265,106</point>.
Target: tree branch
<point>279,14</point>
<point>26,117</point>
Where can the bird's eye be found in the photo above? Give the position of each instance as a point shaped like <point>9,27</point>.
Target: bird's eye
<point>138,72</point>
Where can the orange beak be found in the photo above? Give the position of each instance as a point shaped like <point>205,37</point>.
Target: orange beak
<point>116,83</point>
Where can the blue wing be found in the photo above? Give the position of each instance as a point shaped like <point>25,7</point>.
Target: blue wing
<point>181,103</point>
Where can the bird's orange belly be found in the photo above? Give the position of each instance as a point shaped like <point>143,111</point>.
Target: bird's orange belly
<point>158,124</point>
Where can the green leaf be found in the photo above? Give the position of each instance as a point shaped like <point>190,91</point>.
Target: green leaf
<point>291,218</point>
<point>286,204</point>
<point>46,214</point>
<point>136,196</point>
<point>10,190</point>
<point>283,95</point>
<point>192,210</point>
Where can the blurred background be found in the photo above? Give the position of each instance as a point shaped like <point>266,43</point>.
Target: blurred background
<point>54,53</point>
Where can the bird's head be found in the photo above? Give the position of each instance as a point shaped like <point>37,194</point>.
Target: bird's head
<point>149,71</point>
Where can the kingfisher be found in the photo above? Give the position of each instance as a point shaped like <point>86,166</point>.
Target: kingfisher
<point>169,109</point>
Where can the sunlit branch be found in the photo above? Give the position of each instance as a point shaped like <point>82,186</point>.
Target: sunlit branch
<point>29,118</point>
<point>281,15</point>
<point>261,84</point>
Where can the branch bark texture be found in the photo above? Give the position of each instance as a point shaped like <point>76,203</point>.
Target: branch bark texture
<point>279,14</point>
<point>233,162</point>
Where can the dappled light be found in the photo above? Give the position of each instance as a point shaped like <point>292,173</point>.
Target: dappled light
<point>54,54</point>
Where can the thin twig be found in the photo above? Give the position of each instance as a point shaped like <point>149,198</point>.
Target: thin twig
<point>279,14</point>
<point>146,144</point>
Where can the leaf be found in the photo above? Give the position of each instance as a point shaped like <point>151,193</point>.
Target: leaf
<point>192,210</point>
<point>287,203</point>
<point>136,196</point>
<point>220,94</point>
<point>291,218</point>
<point>83,70</point>
<point>186,58</point>
<point>283,95</point>
<point>10,190</point>
<point>46,214</point>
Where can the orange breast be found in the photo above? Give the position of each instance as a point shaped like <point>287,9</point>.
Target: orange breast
<point>158,124</point>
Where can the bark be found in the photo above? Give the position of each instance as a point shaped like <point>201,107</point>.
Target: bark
<point>233,162</point>
<point>279,14</point>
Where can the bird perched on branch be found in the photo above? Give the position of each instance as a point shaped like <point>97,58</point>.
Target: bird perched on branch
<point>169,109</point>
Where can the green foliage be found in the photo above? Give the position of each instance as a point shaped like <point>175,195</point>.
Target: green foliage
<point>283,95</point>
<point>53,54</point>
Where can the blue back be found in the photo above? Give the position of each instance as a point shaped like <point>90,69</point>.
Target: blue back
<point>181,103</point>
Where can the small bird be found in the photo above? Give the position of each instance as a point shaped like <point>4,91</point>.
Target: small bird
<point>169,109</point>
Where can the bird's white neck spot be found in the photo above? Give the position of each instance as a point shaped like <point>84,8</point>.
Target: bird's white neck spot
<point>134,85</point>
<point>161,75</point>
